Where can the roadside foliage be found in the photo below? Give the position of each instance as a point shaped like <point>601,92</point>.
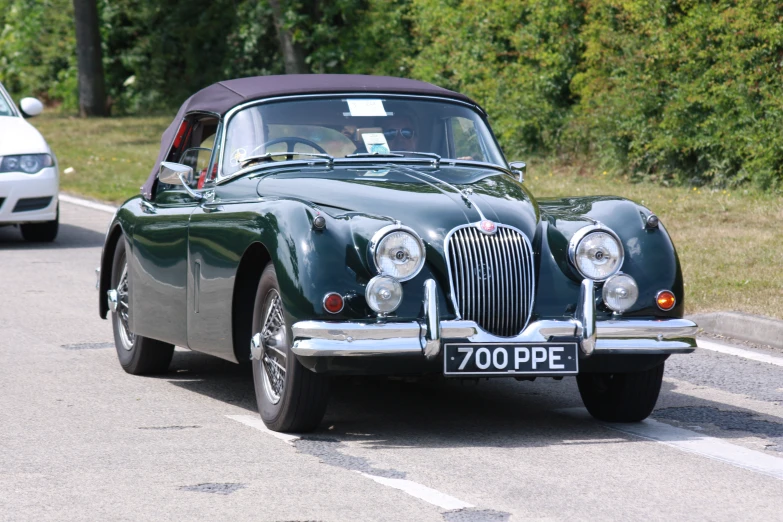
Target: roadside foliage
<point>679,91</point>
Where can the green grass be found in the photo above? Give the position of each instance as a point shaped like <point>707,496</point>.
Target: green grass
<point>111,157</point>
<point>730,242</point>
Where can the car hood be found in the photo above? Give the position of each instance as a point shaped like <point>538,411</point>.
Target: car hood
<point>19,137</point>
<point>430,200</point>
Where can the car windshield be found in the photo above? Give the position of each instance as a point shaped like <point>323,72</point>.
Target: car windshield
<point>341,127</point>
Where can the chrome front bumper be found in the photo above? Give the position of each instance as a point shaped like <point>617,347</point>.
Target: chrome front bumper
<point>425,338</point>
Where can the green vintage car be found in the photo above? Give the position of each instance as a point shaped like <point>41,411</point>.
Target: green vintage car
<point>326,225</point>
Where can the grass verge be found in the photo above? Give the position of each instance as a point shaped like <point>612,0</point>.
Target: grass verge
<point>730,242</point>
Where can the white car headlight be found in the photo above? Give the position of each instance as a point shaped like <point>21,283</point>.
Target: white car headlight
<point>27,163</point>
<point>398,252</point>
<point>596,252</point>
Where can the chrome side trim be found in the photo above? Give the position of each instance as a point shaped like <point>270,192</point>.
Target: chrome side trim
<point>363,348</point>
<point>585,314</point>
<point>431,337</point>
<point>352,332</point>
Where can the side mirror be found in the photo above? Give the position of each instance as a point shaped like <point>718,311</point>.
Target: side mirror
<point>30,107</point>
<point>175,174</point>
<point>519,167</point>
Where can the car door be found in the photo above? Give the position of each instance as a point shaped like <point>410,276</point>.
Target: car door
<point>212,269</point>
<point>159,264</point>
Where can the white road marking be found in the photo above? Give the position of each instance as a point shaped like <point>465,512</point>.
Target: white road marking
<point>420,491</point>
<point>692,442</point>
<point>414,489</point>
<point>254,421</point>
<point>739,352</point>
<point>87,203</point>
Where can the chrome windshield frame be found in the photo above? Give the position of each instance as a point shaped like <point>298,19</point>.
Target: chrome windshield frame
<point>221,178</point>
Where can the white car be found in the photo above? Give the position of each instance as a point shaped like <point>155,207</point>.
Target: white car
<point>29,178</point>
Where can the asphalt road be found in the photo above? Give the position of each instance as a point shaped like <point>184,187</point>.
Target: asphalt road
<point>82,440</point>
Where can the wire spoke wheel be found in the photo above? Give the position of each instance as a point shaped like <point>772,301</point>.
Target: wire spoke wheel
<point>126,336</point>
<point>275,348</point>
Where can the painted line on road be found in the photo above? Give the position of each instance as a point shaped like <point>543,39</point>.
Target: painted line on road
<point>414,489</point>
<point>693,442</point>
<point>87,203</point>
<point>254,421</point>
<point>739,352</point>
<point>420,491</point>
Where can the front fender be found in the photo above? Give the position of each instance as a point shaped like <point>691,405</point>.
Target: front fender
<point>650,256</point>
<point>311,263</point>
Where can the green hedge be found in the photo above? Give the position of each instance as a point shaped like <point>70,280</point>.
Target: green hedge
<point>516,58</point>
<point>682,91</point>
<point>688,91</point>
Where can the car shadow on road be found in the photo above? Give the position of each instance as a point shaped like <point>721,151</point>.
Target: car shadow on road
<point>68,236</point>
<point>434,412</point>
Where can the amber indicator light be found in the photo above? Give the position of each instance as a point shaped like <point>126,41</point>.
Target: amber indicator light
<point>333,303</point>
<point>665,300</point>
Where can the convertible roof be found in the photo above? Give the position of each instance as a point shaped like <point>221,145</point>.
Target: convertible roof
<point>221,97</point>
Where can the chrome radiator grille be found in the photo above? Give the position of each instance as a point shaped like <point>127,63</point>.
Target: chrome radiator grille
<point>491,278</point>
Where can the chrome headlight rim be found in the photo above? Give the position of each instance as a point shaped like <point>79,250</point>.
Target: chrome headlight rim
<point>385,231</point>
<point>581,234</point>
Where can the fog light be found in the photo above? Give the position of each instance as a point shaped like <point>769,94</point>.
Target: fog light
<point>620,292</point>
<point>333,303</point>
<point>383,294</point>
<point>665,300</point>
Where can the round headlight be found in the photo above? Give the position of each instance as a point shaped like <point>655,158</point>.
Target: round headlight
<point>30,164</point>
<point>398,254</point>
<point>620,292</point>
<point>597,254</point>
<point>11,164</point>
<point>383,294</point>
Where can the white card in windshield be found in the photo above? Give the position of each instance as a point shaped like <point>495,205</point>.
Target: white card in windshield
<point>375,142</point>
<point>366,108</point>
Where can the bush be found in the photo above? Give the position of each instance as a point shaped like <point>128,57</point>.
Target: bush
<point>38,50</point>
<point>515,57</point>
<point>684,90</point>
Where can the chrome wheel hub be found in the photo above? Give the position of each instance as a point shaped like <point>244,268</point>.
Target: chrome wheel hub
<point>269,348</point>
<point>122,309</point>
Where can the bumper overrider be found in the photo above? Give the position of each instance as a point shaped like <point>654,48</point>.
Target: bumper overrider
<point>426,337</point>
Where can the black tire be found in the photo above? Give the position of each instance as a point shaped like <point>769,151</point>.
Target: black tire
<point>298,402</point>
<point>41,232</point>
<point>621,397</point>
<point>138,355</point>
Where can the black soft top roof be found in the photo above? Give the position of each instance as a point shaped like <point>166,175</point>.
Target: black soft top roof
<point>221,97</point>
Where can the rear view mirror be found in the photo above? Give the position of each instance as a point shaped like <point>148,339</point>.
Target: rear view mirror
<point>30,107</point>
<point>520,168</point>
<point>175,174</point>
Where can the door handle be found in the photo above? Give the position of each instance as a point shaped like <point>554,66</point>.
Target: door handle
<point>147,208</point>
<point>210,209</point>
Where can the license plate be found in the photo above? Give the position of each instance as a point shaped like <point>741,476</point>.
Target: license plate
<point>511,359</point>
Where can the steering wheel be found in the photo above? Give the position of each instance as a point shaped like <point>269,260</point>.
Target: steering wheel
<point>291,141</point>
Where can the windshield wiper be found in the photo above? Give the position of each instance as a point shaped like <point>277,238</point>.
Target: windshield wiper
<point>432,155</point>
<point>374,155</point>
<point>270,155</point>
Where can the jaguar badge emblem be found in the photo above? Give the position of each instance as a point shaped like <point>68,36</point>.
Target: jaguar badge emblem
<point>488,227</point>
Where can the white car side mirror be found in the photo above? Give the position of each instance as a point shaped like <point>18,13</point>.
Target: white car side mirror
<point>31,107</point>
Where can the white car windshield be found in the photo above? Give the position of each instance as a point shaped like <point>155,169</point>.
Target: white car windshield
<point>5,107</point>
<point>343,126</point>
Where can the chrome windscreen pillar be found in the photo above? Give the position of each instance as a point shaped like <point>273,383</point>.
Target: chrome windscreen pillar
<point>585,314</point>
<point>431,338</point>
